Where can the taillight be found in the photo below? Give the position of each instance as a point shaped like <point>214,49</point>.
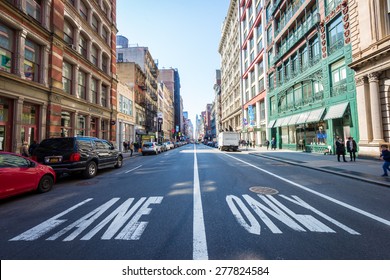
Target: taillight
<point>74,157</point>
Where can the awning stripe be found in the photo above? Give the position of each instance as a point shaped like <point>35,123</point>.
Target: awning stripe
<point>336,111</point>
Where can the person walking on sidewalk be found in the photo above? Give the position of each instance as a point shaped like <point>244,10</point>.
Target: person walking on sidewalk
<point>267,143</point>
<point>131,147</point>
<point>340,148</point>
<point>352,148</point>
<point>273,143</point>
<point>385,155</point>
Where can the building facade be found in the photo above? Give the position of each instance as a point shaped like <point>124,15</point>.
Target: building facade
<point>125,117</point>
<point>370,39</point>
<point>57,71</point>
<point>229,89</point>
<point>142,57</point>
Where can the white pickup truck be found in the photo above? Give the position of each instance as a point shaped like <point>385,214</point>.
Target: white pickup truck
<point>228,140</point>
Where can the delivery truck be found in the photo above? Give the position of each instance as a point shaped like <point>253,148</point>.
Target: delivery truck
<point>228,140</point>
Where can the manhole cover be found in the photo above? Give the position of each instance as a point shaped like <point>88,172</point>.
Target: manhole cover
<point>263,190</point>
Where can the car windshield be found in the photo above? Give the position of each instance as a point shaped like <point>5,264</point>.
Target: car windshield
<point>148,144</point>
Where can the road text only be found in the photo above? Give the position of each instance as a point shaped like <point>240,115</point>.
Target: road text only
<point>269,207</point>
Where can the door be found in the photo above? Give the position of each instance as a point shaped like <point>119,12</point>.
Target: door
<point>2,137</point>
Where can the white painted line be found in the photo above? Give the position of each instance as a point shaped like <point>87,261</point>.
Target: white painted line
<point>133,169</point>
<point>199,232</point>
<point>350,207</point>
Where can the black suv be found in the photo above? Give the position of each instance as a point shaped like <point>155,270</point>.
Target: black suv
<point>78,154</point>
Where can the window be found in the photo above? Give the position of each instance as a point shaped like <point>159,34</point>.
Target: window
<point>6,48</point>
<point>82,85</point>
<point>68,32</point>
<point>95,23</point>
<point>92,131</point>
<point>339,72</point>
<point>260,68</point>
<point>271,81</point>
<point>83,10</point>
<point>335,35</point>
<point>31,60</point>
<point>80,129</point>
<point>66,124</point>
<point>103,98</point>
<point>306,92</point>
<point>120,57</point>
<point>105,64</point>
<point>272,105</point>
<point>94,55</point>
<point>94,93</point>
<point>105,35</point>
<point>315,49</point>
<point>83,46</point>
<point>33,8</point>
<point>104,129</point>
<point>67,77</point>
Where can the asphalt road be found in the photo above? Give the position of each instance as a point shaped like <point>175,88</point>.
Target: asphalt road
<point>195,202</point>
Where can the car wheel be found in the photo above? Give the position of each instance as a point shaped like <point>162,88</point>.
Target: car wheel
<point>91,170</point>
<point>119,162</point>
<point>45,184</point>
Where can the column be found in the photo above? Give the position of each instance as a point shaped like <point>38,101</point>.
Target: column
<point>16,139</point>
<point>88,81</point>
<point>45,66</point>
<point>363,110</point>
<point>258,124</point>
<point>376,110</point>
<point>21,39</point>
<point>75,82</point>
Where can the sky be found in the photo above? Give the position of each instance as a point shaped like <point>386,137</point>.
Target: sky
<point>180,34</point>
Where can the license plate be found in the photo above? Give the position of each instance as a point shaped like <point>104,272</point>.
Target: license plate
<point>55,159</point>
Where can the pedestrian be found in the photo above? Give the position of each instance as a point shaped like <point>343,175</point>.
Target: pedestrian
<point>340,148</point>
<point>32,147</point>
<point>352,148</point>
<point>385,155</point>
<point>273,143</point>
<point>131,148</point>
<point>125,146</point>
<point>24,149</point>
<point>267,143</point>
<point>253,143</point>
<point>247,144</point>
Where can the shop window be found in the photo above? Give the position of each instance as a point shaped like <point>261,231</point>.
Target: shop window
<point>81,124</point>
<point>29,114</point>
<point>31,60</point>
<point>67,77</point>
<point>6,48</point>
<point>104,129</point>
<point>66,124</point>
<point>82,88</point>
<point>93,131</point>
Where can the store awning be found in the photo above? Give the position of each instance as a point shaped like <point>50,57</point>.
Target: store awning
<point>271,123</point>
<point>315,115</point>
<point>293,120</point>
<point>285,121</point>
<point>278,122</point>
<point>302,118</point>
<point>336,111</point>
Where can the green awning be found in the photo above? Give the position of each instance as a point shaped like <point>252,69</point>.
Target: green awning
<point>336,111</point>
<point>302,117</point>
<point>271,123</point>
<point>315,115</point>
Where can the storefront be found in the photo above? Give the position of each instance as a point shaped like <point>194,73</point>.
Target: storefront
<point>6,123</point>
<point>314,131</point>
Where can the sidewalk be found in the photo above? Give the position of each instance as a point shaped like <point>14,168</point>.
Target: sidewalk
<point>368,170</point>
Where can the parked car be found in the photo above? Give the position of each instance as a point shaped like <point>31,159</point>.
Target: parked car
<point>150,148</point>
<point>19,174</point>
<point>78,154</point>
<point>169,145</point>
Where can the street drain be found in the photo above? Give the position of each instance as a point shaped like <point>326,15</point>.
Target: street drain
<point>263,190</point>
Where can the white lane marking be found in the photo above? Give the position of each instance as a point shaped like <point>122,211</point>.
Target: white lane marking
<point>353,208</point>
<point>47,226</point>
<point>133,169</point>
<point>199,232</point>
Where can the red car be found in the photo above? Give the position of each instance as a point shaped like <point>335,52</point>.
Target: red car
<point>19,174</point>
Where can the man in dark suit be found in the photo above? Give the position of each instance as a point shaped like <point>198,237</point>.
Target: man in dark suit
<point>352,148</point>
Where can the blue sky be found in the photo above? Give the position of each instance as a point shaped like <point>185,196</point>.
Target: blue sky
<point>179,34</point>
